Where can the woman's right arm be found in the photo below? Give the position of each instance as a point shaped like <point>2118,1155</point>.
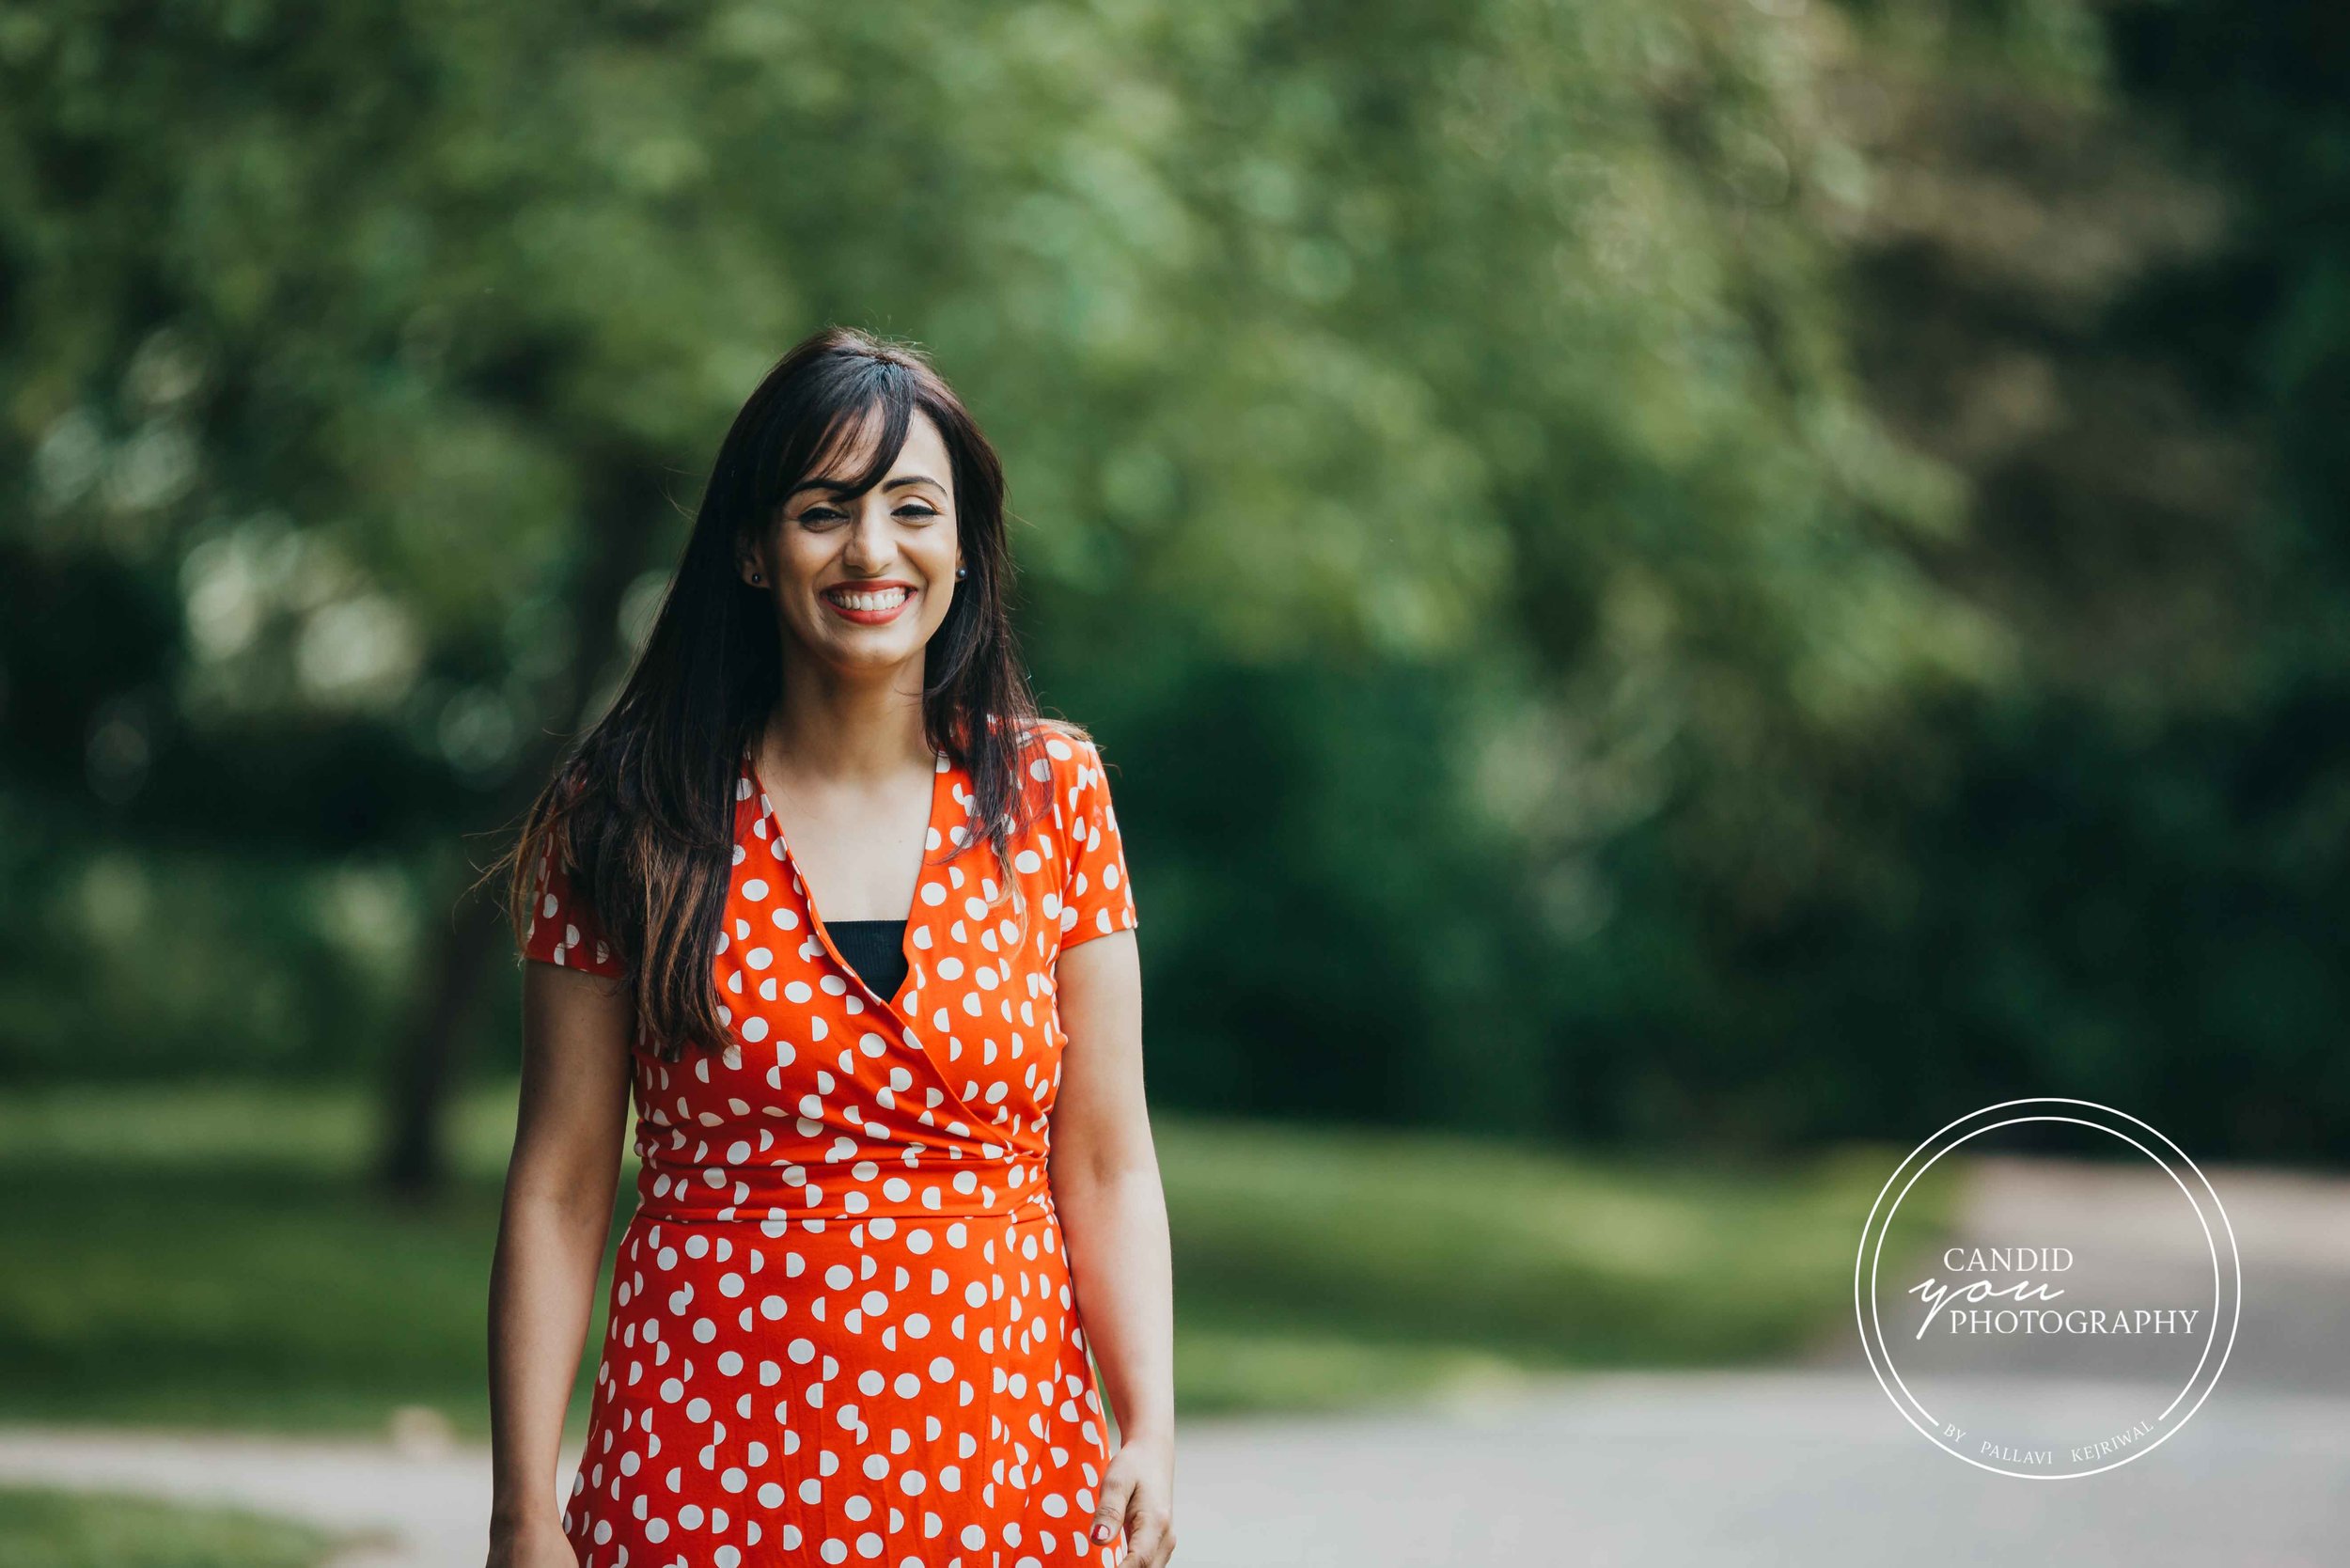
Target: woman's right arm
<point>560,1184</point>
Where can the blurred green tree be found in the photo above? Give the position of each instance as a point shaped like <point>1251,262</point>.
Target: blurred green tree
<point>1586,466</point>
<point>354,359</point>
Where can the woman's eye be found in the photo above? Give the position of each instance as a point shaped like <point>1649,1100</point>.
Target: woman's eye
<point>828,514</point>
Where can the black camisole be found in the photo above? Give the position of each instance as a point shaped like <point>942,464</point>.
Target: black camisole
<point>876,950</point>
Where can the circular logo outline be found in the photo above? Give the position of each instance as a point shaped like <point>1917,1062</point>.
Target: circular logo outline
<point>1865,1266</point>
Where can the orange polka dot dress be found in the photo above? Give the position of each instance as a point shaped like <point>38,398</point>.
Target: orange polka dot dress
<point>841,1327</point>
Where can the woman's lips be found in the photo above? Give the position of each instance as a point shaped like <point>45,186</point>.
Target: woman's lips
<point>869,607</point>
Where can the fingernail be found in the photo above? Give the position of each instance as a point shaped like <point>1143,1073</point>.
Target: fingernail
<point>1101,1533</point>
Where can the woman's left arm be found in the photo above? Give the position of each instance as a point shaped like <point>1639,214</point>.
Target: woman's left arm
<point>1106,1185</point>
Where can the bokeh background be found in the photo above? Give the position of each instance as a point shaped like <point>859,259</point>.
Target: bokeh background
<point>1678,593</point>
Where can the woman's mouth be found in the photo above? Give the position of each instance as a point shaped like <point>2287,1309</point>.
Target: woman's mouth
<point>869,607</point>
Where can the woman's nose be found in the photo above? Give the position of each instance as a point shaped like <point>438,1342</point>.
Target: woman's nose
<point>870,544</point>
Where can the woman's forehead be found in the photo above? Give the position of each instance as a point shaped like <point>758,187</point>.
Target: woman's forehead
<point>849,449</point>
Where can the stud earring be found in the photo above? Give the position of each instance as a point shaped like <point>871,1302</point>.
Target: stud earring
<point>962,571</point>
<point>755,579</point>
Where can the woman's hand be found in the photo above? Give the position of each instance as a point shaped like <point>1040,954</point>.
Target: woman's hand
<point>538,1543</point>
<point>1138,1491</point>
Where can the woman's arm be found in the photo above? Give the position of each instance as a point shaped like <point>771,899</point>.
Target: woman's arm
<point>560,1184</point>
<point>1106,1185</point>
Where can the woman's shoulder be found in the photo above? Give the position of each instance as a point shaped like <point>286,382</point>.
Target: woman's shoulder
<point>1050,761</point>
<point>1062,740</point>
<point>1061,753</point>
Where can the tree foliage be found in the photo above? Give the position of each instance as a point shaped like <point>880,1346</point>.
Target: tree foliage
<point>1474,465</point>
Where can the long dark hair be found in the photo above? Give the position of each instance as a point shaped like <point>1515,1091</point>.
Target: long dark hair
<point>641,810</point>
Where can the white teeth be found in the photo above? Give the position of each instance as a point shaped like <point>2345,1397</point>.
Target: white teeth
<point>887,599</point>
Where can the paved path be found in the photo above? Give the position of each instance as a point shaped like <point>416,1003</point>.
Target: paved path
<point>1769,1470</point>
<point>1807,1464</point>
<point>1785,1468</point>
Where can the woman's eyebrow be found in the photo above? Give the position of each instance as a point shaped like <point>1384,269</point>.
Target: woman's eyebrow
<point>840,486</point>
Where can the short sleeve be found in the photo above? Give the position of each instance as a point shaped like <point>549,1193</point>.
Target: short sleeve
<point>1097,897</point>
<point>564,929</point>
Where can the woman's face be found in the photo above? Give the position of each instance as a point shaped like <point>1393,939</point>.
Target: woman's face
<point>863,581</point>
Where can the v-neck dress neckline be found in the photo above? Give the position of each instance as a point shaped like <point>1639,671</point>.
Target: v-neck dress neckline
<point>932,836</point>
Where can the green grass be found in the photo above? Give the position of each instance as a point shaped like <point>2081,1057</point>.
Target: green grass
<point>43,1528</point>
<point>1319,1266</point>
<point>214,1257</point>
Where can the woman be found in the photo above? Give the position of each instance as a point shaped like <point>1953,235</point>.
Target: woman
<point>897,1176</point>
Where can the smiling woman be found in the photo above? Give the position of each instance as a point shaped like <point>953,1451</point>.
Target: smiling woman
<point>890,1216</point>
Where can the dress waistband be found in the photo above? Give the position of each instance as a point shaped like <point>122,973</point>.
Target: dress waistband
<point>777,1194</point>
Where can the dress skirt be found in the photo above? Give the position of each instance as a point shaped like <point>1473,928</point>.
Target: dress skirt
<point>876,1389</point>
